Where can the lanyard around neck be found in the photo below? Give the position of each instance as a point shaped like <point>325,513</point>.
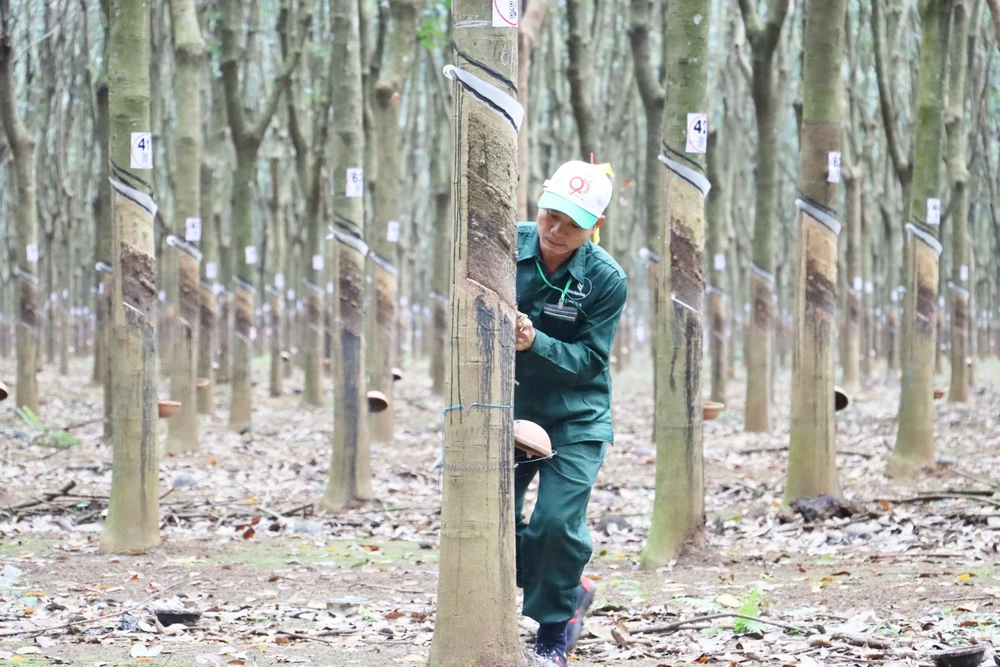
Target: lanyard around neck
<point>562,292</point>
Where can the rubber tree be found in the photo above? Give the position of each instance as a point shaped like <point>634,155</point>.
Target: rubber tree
<point>350,465</point>
<point>768,102</point>
<point>715,247</point>
<point>207,336</point>
<point>679,289</point>
<point>189,55</point>
<point>22,147</point>
<point>527,32</point>
<point>400,41</point>
<point>275,286</point>
<point>812,466</point>
<point>247,135</point>
<point>441,159</point>
<point>915,435</point>
<point>132,524</point>
<point>476,612</point>
<point>958,177</point>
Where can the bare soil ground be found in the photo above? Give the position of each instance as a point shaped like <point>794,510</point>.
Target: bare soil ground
<point>276,583</point>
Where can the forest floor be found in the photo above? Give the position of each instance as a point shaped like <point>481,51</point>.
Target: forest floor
<point>276,583</point>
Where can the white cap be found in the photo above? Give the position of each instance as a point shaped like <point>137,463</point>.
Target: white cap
<point>580,190</point>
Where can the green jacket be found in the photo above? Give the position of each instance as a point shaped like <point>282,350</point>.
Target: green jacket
<point>564,383</point>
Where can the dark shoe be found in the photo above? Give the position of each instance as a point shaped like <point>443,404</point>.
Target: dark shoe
<point>584,598</point>
<point>553,654</point>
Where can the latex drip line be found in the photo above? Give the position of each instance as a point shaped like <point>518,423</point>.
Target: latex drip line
<point>928,239</point>
<point>711,289</point>
<point>239,282</point>
<point>766,275</point>
<point>350,240</point>
<point>489,95</point>
<point>684,305</point>
<point>819,213</point>
<point>439,298</point>
<point>958,288</point>
<point>101,267</point>
<point>702,184</point>
<point>272,290</point>
<point>184,246</point>
<point>347,225</point>
<point>26,276</point>
<point>385,264</point>
<point>486,68</point>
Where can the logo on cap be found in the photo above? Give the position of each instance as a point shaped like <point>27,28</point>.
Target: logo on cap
<point>579,185</point>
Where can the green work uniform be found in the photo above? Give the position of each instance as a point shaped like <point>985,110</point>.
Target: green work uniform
<point>564,385</point>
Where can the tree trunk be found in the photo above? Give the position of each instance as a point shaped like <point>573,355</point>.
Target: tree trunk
<point>189,52</point>
<point>350,466</point>
<point>207,334</point>
<point>715,220</point>
<point>768,101</point>
<point>959,178</point>
<point>477,510</point>
<point>132,524</point>
<point>441,271</point>
<point>812,448</point>
<point>851,363</point>
<point>381,339</point>
<point>276,288</point>
<point>527,32</point>
<point>679,505</point>
<point>915,436</point>
<point>22,145</point>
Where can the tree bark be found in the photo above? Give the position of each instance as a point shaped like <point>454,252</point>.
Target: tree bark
<point>851,363</point>
<point>381,326</point>
<point>132,524</point>
<point>715,220</point>
<point>477,510</point>
<point>768,102</point>
<point>189,54</point>
<point>279,356</point>
<point>679,505</point>
<point>441,273</point>
<point>812,466</point>
<point>22,146</point>
<point>915,436</point>
<point>350,467</point>
<point>527,32</point>
<point>958,176</point>
<point>207,336</point>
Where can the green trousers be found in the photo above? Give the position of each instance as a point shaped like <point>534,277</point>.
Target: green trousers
<point>554,545</point>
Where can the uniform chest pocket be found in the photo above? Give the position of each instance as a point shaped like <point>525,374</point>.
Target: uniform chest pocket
<point>562,323</point>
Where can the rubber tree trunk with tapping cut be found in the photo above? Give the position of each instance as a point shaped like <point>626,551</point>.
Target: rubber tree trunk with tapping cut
<point>679,504</point>
<point>476,616</point>
<point>189,54</point>
<point>133,518</point>
<point>958,176</point>
<point>768,103</point>
<point>247,137</point>
<point>853,184</point>
<point>22,146</point>
<point>441,272</point>
<point>350,465</point>
<point>275,287</point>
<point>915,435</point>
<point>381,338</point>
<point>315,268</point>
<point>207,335</point>
<point>812,466</point>
<point>715,247</point>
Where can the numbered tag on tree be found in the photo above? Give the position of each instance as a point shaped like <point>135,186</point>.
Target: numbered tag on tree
<point>719,261</point>
<point>355,183</point>
<point>933,211</point>
<point>142,151</point>
<point>858,284</point>
<point>963,273</point>
<point>291,295</point>
<point>329,288</point>
<point>31,252</point>
<point>869,287</point>
<point>392,231</point>
<point>317,262</point>
<point>163,295</point>
<point>65,293</point>
<point>192,230</point>
<point>833,167</point>
<point>100,288</point>
<point>250,254</point>
<point>253,333</point>
<point>279,281</point>
<point>697,134</point>
<point>504,13</point>
<point>211,270</point>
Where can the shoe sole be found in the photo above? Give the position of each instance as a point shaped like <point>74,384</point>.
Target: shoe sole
<point>574,630</point>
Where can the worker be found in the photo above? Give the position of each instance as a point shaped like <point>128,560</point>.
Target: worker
<point>570,296</point>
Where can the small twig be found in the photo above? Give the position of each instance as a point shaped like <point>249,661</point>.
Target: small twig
<point>676,625</point>
<point>941,496</point>
<point>46,497</point>
<point>307,637</point>
<point>42,631</point>
<point>88,422</point>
